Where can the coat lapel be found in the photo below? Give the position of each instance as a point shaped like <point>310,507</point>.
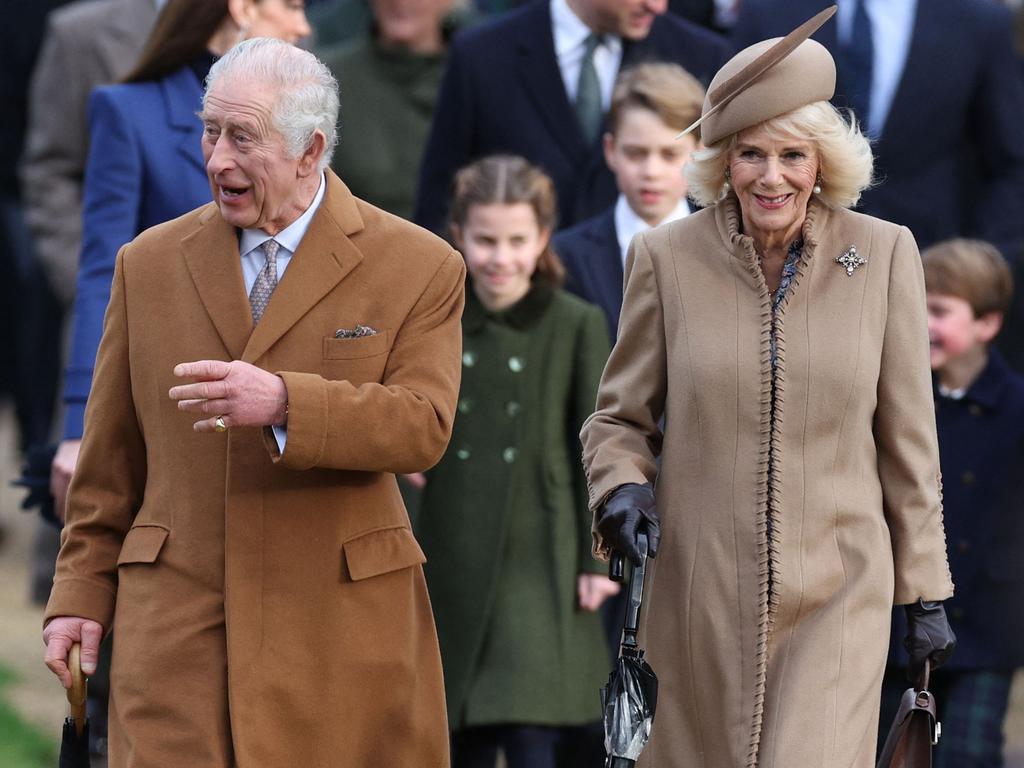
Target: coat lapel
<point>325,256</point>
<point>211,255</point>
<point>542,80</point>
<point>182,98</point>
<point>609,261</point>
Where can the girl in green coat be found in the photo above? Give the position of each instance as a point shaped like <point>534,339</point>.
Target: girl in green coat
<point>504,520</point>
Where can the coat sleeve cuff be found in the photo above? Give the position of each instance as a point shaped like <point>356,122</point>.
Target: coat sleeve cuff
<point>307,422</point>
<point>83,599</point>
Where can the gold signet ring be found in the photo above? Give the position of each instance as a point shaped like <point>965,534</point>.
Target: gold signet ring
<point>219,425</point>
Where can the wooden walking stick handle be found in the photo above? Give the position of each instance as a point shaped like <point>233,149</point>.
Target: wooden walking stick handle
<point>76,693</point>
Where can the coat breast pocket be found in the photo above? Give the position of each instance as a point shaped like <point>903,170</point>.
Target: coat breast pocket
<point>359,360</point>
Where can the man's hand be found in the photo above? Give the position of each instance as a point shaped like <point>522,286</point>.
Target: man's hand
<point>240,393</point>
<point>63,632</point>
<point>61,470</point>
<point>593,589</point>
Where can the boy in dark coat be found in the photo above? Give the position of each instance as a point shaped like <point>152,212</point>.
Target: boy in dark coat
<point>650,105</point>
<point>979,409</point>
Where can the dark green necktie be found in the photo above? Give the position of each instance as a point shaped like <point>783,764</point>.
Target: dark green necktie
<point>588,93</point>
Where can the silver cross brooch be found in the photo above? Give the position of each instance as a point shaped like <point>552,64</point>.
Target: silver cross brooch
<point>851,259</point>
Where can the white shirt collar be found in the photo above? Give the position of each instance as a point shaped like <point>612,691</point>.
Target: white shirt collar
<point>569,29</point>
<point>628,225</point>
<point>289,237</point>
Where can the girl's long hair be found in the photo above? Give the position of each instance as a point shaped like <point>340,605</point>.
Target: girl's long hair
<point>180,35</point>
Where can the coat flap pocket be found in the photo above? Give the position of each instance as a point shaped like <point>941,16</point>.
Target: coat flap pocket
<point>381,551</point>
<point>355,348</point>
<point>142,544</point>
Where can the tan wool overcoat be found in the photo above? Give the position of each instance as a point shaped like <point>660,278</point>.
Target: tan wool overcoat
<point>268,609</point>
<point>768,620</point>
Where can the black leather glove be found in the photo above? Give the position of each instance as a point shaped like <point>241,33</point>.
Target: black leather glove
<point>929,636</point>
<point>627,511</point>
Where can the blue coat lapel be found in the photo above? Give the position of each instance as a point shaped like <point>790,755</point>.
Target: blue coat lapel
<point>183,97</point>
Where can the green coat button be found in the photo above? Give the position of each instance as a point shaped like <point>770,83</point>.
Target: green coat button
<point>512,408</point>
<point>465,405</point>
<point>469,359</point>
<point>516,364</point>
<point>510,455</point>
<point>463,453</point>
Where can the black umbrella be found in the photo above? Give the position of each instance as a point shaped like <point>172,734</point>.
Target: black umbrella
<point>630,698</point>
<point>74,745</point>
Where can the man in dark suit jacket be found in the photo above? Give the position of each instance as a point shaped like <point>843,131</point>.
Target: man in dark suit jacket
<point>505,91</point>
<point>950,154</point>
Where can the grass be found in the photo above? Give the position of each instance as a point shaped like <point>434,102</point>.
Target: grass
<point>22,745</point>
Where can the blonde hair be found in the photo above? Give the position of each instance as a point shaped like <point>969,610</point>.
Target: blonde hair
<point>972,270</point>
<point>844,156</point>
<point>510,180</point>
<point>667,90</point>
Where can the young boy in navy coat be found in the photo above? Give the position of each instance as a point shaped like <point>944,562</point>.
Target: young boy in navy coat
<point>650,105</point>
<point>979,410</point>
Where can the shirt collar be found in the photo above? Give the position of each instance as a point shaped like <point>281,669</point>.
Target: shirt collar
<point>987,389</point>
<point>628,225</point>
<point>289,237</point>
<point>569,30</point>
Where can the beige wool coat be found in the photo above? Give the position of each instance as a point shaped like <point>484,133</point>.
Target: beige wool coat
<point>789,679</point>
<point>268,609</point>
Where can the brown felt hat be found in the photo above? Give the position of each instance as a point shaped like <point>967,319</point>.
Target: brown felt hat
<point>766,80</point>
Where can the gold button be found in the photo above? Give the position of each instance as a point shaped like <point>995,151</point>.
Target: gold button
<point>516,364</point>
<point>510,455</point>
<point>968,477</point>
<point>463,453</point>
<point>469,359</point>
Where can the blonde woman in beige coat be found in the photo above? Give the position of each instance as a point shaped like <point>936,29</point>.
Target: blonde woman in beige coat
<point>781,341</point>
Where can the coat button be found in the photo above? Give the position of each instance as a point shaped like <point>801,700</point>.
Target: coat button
<point>516,364</point>
<point>957,613</point>
<point>974,409</point>
<point>510,455</point>
<point>469,359</point>
<point>963,545</point>
<point>463,453</point>
<point>465,405</point>
<point>968,477</point>
<point>512,408</point>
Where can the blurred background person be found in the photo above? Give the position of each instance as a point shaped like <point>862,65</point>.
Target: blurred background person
<point>389,78</point>
<point>335,22</point>
<point>537,82</point>
<point>949,149</point>
<point>979,410</point>
<point>504,521</point>
<point>651,105</point>
<point>145,164</point>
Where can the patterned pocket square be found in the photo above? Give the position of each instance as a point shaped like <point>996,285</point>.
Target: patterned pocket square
<point>355,333</point>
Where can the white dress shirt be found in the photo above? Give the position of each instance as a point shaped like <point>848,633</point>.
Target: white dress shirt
<point>250,246</point>
<point>570,45</point>
<point>892,28</point>
<point>628,225</point>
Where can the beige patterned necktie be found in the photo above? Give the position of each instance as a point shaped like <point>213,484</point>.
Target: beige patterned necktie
<point>266,282</point>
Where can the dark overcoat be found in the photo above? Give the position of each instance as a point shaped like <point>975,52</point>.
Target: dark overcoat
<point>504,521</point>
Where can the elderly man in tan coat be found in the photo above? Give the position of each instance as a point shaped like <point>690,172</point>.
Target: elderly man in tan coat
<point>269,361</point>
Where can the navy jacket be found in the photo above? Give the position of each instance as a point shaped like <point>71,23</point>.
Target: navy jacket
<point>951,155</point>
<point>145,167</point>
<point>502,92</point>
<point>593,264</point>
<point>981,451</point>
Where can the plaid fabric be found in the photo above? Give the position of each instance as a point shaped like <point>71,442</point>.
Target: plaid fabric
<point>972,707</point>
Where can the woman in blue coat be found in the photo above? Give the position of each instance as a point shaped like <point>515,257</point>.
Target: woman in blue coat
<point>145,165</point>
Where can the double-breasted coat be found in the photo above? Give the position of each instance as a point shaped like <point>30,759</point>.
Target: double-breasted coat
<point>270,608</point>
<point>768,619</point>
<point>504,518</point>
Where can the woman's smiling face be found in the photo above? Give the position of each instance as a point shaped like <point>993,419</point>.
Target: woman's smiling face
<point>773,179</point>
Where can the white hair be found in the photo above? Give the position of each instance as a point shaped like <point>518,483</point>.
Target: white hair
<point>844,155</point>
<point>307,93</point>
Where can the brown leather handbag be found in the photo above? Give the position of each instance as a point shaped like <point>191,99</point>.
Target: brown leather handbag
<point>915,730</point>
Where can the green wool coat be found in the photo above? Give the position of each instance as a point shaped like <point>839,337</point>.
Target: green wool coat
<point>504,520</point>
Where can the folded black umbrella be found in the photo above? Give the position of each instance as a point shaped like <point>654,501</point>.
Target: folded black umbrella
<point>631,696</point>
<point>74,745</point>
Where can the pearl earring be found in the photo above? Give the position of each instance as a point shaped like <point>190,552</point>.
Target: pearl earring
<point>728,180</point>
<point>816,189</point>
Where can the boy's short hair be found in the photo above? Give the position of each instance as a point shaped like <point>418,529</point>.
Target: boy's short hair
<point>668,90</point>
<point>972,270</point>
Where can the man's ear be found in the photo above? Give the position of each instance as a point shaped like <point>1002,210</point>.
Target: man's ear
<point>989,325</point>
<point>309,163</point>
